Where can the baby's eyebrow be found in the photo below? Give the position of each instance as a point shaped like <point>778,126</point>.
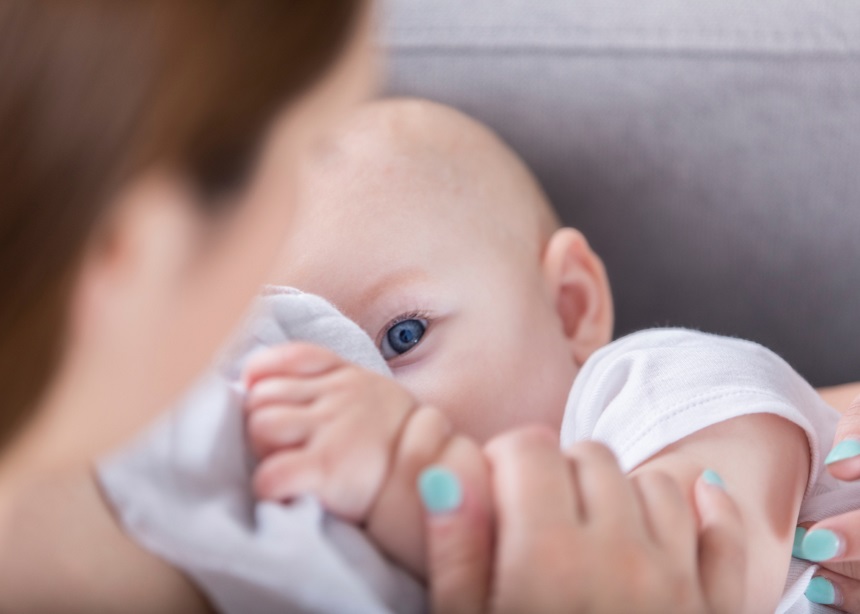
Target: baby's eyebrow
<point>389,280</point>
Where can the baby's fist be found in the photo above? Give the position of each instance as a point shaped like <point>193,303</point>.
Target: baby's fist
<point>322,426</point>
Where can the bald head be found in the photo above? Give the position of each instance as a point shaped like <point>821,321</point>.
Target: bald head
<point>396,147</point>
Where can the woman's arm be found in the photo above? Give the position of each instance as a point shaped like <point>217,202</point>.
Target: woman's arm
<point>66,553</point>
<point>840,397</point>
<point>764,461</point>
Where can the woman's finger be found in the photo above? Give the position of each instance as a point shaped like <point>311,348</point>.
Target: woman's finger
<point>537,518</point>
<point>830,588</point>
<point>722,550</point>
<point>459,530</point>
<point>606,493</point>
<point>666,514</point>
<point>834,539</point>
<point>528,471</point>
<point>849,569</point>
<point>843,462</point>
<point>836,583</point>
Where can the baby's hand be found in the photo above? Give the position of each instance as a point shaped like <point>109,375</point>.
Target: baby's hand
<point>322,426</point>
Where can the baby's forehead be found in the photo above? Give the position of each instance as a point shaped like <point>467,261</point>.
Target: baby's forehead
<point>390,180</point>
<point>397,157</point>
<point>385,146</point>
<point>421,167</point>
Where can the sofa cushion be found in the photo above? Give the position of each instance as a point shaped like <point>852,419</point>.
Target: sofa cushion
<point>709,150</point>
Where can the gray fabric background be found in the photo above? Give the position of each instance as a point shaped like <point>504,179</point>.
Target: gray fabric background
<point>708,148</point>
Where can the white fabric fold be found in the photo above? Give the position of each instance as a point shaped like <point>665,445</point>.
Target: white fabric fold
<point>182,490</point>
<point>651,389</point>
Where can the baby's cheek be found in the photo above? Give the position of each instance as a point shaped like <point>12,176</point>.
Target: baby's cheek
<point>490,400</point>
<point>519,376</point>
<point>494,403</point>
<point>553,373</point>
<point>465,395</point>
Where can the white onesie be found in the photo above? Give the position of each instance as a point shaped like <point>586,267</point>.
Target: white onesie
<point>182,489</point>
<point>648,390</point>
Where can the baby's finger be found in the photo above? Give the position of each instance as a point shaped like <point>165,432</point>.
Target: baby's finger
<point>282,391</point>
<point>286,475</point>
<point>423,438</point>
<point>426,432</point>
<point>843,462</point>
<point>275,427</point>
<point>296,359</point>
<point>722,550</point>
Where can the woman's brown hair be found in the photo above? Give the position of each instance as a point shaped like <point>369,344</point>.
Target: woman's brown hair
<point>93,92</point>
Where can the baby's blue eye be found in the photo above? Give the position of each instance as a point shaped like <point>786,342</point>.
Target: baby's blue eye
<point>402,337</point>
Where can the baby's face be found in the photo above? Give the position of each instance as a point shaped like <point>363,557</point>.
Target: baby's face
<point>455,302</point>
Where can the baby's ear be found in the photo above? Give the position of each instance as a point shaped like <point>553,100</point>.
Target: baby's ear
<point>580,289</point>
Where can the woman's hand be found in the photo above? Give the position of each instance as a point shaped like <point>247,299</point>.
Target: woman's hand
<point>835,542</point>
<point>573,534</point>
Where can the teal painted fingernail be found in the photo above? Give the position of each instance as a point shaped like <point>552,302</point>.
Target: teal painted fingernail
<point>820,545</point>
<point>796,549</point>
<point>821,590</point>
<point>847,448</point>
<point>440,490</point>
<point>713,478</point>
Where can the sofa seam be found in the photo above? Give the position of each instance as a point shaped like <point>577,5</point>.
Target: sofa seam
<point>719,33</point>
<point>640,39</point>
<point>643,52</point>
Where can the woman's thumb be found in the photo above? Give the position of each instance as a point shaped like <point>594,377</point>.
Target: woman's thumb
<point>458,543</point>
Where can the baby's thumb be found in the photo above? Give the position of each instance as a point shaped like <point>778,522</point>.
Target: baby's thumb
<point>843,462</point>
<point>722,548</point>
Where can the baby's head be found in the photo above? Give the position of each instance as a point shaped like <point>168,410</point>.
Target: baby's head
<point>424,228</point>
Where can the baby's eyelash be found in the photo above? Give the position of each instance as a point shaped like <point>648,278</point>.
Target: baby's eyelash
<point>410,315</point>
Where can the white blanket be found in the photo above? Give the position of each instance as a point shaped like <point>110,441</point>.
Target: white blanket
<point>182,490</point>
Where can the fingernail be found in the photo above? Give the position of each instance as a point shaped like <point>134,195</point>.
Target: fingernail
<point>713,478</point>
<point>796,550</point>
<point>440,490</point>
<point>821,590</point>
<point>847,448</point>
<point>820,545</point>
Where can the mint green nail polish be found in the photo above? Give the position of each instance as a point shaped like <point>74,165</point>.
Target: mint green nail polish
<point>796,549</point>
<point>713,478</point>
<point>440,490</point>
<point>821,590</point>
<point>820,545</point>
<point>847,448</point>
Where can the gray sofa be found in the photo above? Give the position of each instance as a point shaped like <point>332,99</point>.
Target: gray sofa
<point>709,149</point>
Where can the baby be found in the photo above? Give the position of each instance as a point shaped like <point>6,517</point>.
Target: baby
<point>428,232</point>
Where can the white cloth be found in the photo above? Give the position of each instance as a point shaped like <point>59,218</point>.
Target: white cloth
<point>183,491</point>
<point>648,390</point>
